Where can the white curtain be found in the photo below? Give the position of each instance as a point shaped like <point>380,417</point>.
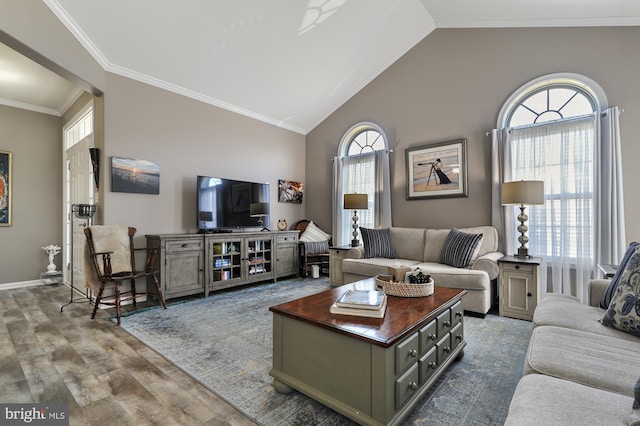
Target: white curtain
<point>382,189</point>
<point>581,222</point>
<point>610,227</point>
<point>363,174</point>
<point>501,172</point>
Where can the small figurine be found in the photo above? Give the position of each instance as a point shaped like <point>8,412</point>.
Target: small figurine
<point>51,250</point>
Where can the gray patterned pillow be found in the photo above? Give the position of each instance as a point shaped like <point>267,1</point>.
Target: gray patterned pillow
<point>460,249</point>
<point>613,285</point>
<point>623,312</point>
<point>377,243</point>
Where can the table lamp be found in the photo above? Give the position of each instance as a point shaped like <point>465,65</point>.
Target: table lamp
<point>355,202</point>
<point>524,192</point>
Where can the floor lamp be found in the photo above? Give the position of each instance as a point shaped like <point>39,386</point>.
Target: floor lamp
<point>355,202</point>
<point>524,192</point>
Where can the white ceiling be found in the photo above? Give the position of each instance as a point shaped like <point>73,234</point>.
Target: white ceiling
<point>286,62</point>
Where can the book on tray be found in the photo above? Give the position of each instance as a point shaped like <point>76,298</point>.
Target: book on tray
<point>362,303</point>
<point>361,299</point>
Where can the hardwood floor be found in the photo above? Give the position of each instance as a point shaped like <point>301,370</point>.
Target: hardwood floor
<point>105,375</point>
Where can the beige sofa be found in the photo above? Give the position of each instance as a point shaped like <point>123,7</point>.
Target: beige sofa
<point>577,371</point>
<point>420,248</point>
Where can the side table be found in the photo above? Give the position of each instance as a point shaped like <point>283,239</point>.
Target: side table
<point>519,286</point>
<point>336,255</point>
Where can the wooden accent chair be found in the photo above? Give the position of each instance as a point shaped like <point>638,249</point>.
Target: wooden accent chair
<point>111,252</point>
<point>312,253</point>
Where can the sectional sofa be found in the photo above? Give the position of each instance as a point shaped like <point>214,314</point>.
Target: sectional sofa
<point>422,248</point>
<point>577,371</point>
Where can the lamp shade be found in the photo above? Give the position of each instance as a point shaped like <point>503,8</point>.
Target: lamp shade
<point>258,209</point>
<point>523,192</point>
<point>356,201</point>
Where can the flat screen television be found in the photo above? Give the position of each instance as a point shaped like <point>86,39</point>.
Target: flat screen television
<point>227,204</point>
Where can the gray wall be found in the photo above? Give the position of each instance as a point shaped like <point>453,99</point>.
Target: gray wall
<point>35,141</point>
<point>453,85</point>
<point>189,138</point>
<point>185,136</point>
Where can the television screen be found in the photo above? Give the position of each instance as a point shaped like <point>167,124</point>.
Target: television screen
<point>227,204</point>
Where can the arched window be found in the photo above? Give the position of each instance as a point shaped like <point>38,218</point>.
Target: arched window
<point>362,167</point>
<point>550,131</point>
<point>552,138</point>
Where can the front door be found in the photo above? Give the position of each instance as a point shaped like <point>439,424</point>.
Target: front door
<point>80,191</point>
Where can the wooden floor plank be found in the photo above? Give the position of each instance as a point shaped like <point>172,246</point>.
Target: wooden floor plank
<point>103,373</point>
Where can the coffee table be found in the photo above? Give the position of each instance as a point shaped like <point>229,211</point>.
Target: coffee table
<point>372,371</point>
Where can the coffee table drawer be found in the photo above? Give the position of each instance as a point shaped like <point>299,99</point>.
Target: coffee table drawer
<point>443,322</point>
<point>428,337</point>
<point>407,386</point>
<point>428,365</point>
<point>407,353</point>
<point>457,336</point>
<point>457,313</point>
<point>443,348</point>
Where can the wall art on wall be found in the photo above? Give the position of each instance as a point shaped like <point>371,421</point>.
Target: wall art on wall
<point>136,176</point>
<point>5,188</point>
<point>290,191</point>
<point>437,170</point>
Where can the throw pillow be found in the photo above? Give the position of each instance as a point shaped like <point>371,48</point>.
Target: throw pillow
<point>377,243</point>
<point>460,249</point>
<point>313,233</point>
<point>316,247</point>
<point>613,285</point>
<point>623,312</point>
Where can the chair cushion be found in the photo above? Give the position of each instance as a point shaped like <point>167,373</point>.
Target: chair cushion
<point>613,285</point>
<point>377,243</point>
<point>115,239</point>
<point>316,247</point>
<point>313,233</point>
<point>623,312</point>
<point>460,249</point>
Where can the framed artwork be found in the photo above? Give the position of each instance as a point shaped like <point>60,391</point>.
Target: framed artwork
<point>5,188</point>
<point>135,176</point>
<point>290,191</point>
<point>437,170</point>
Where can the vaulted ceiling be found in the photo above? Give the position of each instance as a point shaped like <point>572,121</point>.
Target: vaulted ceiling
<point>290,63</point>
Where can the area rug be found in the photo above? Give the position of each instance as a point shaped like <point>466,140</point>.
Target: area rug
<point>224,342</point>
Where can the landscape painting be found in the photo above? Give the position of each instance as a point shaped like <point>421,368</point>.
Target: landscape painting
<point>135,176</point>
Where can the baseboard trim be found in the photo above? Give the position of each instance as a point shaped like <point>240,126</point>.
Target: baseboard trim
<point>21,284</point>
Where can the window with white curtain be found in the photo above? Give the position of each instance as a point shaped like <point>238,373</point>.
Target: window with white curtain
<point>558,129</point>
<point>553,130</point>
<point>561,154</point>
<point>362,167</point>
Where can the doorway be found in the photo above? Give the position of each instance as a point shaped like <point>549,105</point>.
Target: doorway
<point>78,189</point>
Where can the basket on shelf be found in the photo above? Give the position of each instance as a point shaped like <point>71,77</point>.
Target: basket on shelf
<point>403,289</point>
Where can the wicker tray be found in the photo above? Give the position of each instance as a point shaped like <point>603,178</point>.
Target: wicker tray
<point>403,289</point>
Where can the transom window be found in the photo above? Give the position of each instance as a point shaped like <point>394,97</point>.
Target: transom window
<point>551,103</point>
<point>368,140</point>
